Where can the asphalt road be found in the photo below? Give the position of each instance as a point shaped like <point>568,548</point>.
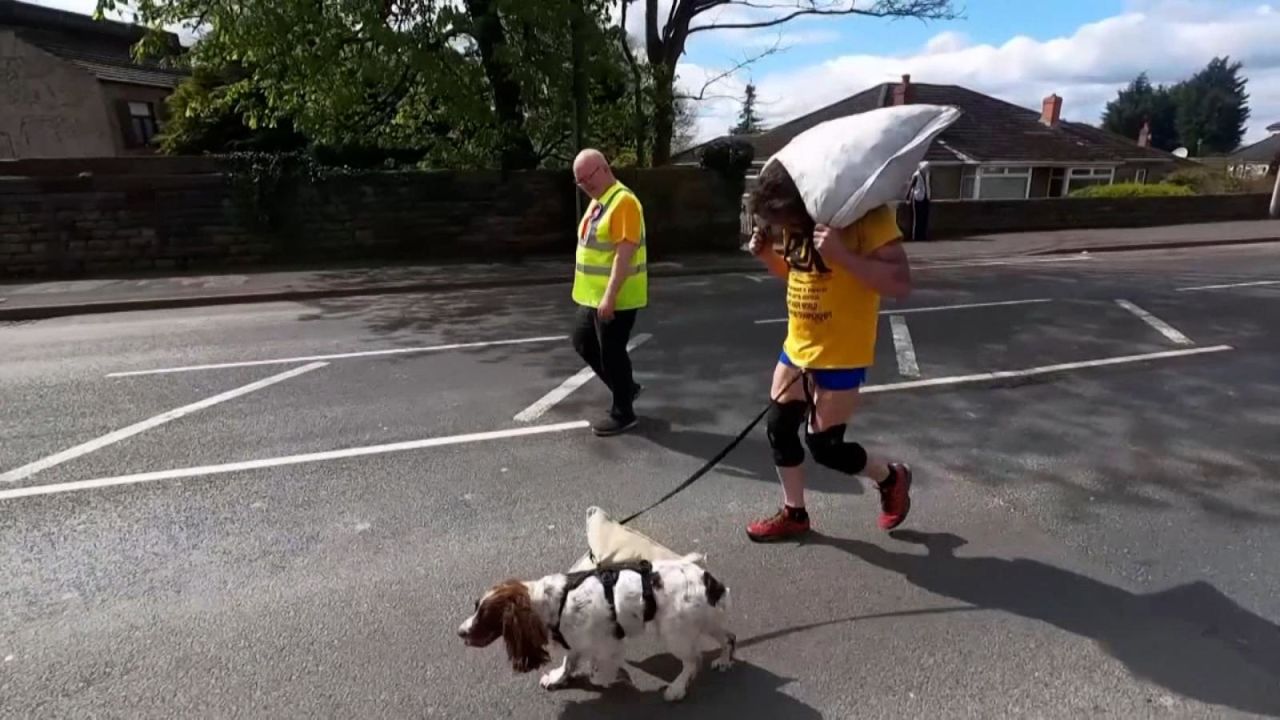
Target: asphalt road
<point>1093,534</point>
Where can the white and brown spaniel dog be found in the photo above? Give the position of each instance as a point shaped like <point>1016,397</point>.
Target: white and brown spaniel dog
<point>590,614</point>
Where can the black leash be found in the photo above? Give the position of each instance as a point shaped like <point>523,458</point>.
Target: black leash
<point>706,467</point>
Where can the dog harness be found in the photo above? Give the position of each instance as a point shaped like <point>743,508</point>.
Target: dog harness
<point>608,576</point>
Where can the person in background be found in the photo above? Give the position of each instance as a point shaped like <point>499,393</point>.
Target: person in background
<point>610,285</point>
<point>918,194</point>
<point>835,278</point>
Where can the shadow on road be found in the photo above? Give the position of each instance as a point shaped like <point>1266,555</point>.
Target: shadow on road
<point>751,459</point>
<point>1145,437</point>
<point>745,691</point>
<point>1191,640</point>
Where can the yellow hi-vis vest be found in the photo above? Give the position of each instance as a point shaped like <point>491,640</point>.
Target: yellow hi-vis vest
<point>596,250</point>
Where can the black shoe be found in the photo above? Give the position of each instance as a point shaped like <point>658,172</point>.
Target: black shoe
<point>611,425</point>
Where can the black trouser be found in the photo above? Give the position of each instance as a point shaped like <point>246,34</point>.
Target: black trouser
<point>920,219</point>
<point>604,346</point>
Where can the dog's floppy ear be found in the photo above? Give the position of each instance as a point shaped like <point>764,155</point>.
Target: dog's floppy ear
<point>523,632</point>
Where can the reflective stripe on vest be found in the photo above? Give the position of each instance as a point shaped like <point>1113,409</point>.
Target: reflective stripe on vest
<point>596,252</point>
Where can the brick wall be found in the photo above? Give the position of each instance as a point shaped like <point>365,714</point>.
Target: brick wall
<point>126,222</point>
<point>951,219</point>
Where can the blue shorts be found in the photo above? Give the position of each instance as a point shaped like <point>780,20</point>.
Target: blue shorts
<point>839,379</point>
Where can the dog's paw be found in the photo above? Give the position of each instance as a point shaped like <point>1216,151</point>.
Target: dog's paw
<point>673,693</point>
<point>722,664</point>
<point>553,680</point>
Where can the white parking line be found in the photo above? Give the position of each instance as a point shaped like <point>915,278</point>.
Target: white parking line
<point>1255,283</point>
<point>907,365</point>
<point>340,356</point>
<point>938,308</point>
<point>967,306</point>
<point>30,469</point>
<point>992,263</point>
<point>1161,326</point>
<point>1042,370</point>
<point>191,472</point>
<point>566,388</point>
<point>202,471</point>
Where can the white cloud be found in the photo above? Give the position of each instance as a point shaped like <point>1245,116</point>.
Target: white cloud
<point>1170,39</point>
<point>946,42</point>
<point>786,40</point>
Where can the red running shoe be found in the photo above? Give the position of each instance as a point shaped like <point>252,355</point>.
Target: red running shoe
<point>782,525</point>
<point>895,496</point>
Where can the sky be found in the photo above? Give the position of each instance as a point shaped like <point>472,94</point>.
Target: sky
<point>1017,50</point>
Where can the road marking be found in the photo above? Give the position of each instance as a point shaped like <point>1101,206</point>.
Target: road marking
<point>206,470</point>
<point>1255,283</point>
<point>756,278</point>
<point>938,308</point>
<point>339,356</point>
<point>1043,370</point>
<point>28,470</point>
<point>991,263</point>
<point>566,388</point>
<point>1161,326</point>
<point>907,365</point>
<point>966,306</point>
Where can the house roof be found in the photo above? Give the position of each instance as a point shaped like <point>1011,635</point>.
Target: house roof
<point>100,47</point>
<point>1263,151</point>
<point>989,130</point>
<point>111,68</point>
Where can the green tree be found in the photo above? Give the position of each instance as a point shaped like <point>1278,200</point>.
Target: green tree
<point>476,83</point>
<point>667,32</point>
<point>1213,108</point>
<point>749,121</point>
<point>685,132</point>
<point>1139,103</point>
<point>207,115</point>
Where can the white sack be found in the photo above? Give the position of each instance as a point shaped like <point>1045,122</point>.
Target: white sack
<point>612,542</point>
<point>846,167</point>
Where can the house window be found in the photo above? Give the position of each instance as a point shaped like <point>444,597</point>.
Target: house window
<point>1141,176</point>
<point>138,122</point>
<point>968,180</point>
<point>1057,182</point>
<point>1003,183</point>
<point>142,122</point>
<point>1078,178</point>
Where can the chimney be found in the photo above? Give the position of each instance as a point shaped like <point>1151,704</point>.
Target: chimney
<point>902,93</point>
<point>1144,135</point>
<point>1051,110</point>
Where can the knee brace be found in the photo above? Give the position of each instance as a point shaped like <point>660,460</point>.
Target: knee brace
<point>829,448</point>
<point>784,424</point>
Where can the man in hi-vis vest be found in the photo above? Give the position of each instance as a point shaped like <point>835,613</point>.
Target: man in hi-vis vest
<point>610,284</point>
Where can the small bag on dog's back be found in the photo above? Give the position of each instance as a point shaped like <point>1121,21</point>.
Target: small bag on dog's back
<point>609,541</point>
<point>849,166</point>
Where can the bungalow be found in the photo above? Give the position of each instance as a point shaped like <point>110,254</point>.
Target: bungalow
<point>996,150</point>
<point>1256,160</point>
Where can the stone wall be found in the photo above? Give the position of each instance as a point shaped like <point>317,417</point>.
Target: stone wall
<point>952,219</point>
<point>63,225</point>
<point>72,218</point>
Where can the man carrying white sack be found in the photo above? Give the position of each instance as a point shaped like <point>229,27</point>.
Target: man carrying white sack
<point>835,278</point>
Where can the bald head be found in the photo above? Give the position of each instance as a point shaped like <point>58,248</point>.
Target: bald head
<point>592,172</point>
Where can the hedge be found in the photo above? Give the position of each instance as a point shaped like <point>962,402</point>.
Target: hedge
<point>1122,190</point>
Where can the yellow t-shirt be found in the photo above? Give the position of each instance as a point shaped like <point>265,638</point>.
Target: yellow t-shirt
<point>624,222</point>
<point>831,315</point>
